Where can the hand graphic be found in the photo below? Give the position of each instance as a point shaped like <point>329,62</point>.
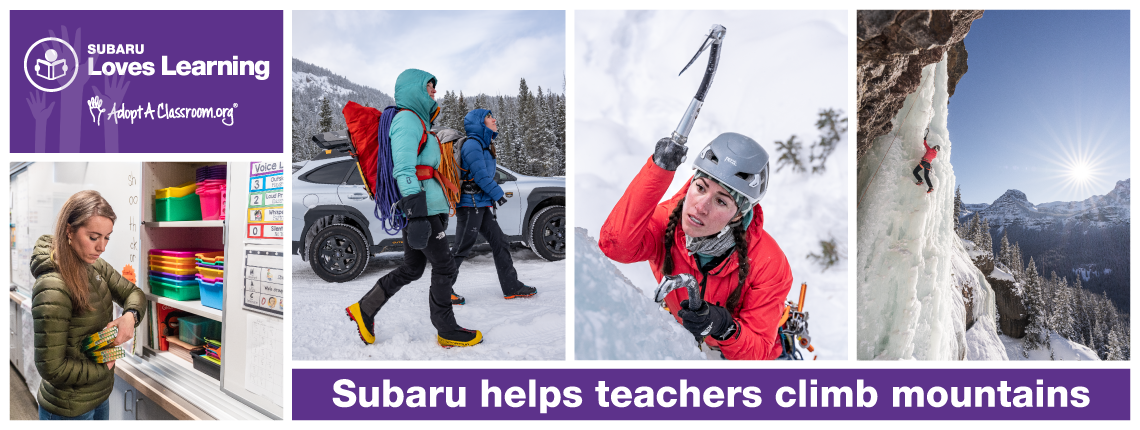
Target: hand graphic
<point>36,104</point>
<point>116,89</point>
<point>93,104</point>
<point>70,118</point>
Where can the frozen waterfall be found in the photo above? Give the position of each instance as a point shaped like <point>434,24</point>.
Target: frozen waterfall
<point>912,267</point>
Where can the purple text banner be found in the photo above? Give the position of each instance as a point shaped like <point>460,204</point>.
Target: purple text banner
<point>720,394</point>
<point>147,81</point>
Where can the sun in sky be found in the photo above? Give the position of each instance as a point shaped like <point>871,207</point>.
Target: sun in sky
<point>1079,168</point>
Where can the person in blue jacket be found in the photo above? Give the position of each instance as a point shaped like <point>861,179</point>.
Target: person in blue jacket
<point>481,195</point>
<point>425,207</point>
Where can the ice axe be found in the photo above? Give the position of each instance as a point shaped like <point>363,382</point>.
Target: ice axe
<point>684,280</point>
<point>712,42</point>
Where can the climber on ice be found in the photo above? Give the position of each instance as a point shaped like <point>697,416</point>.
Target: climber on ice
<point>931,152</point>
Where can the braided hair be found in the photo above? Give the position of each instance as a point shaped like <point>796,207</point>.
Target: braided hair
<point>741,244</point>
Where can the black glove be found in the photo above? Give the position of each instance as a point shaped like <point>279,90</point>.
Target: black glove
<point>502,201</point>
<point>709,320</point>
<point>414,209</point>
<point>926,134</point>
<point>669,154</point>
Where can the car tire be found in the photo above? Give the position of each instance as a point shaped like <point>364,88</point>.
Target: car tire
<point>338,253</point>
<point>548,233</point>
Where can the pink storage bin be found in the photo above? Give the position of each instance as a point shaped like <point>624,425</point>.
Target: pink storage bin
<point>211,196</point>
<point>181,253</point>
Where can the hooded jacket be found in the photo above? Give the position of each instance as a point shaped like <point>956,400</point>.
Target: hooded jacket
<point>411,93</point>
<point>72,382</point>
<point>477,162</point>
<point>633,232</point>
<point>930,152</point>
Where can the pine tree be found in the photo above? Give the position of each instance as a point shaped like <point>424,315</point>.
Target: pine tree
<point>525,130</point>
<point>326,115</point>
<point>957,210</point>
<point>1036,333</point>
<point>1005,255</point>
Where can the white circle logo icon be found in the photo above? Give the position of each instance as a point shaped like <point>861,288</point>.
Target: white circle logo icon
<point>50,67</point>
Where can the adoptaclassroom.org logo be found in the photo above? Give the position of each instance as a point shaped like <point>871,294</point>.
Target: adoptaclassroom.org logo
<point>50,65</point>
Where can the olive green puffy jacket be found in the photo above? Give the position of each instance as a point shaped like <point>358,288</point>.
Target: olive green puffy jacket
<point>72,382</point>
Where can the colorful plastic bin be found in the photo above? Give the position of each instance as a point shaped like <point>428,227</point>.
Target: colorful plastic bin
<point>165,288</point>
<point>193,328</point>
<point>211,192</point>
<point>211,293</point>
<point>207,272</point>
<point>186,208</point>
<point>179,191</point>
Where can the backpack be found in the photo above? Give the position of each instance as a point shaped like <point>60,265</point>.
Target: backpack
<point>371,146</point>
<point>466,186</point>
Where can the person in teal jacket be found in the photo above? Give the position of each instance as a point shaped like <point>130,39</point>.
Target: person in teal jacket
<point>425,207</point>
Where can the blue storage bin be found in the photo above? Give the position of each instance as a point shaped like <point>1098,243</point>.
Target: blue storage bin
<point>211,294</point>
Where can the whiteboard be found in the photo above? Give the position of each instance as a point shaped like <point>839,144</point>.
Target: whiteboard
<point>254,371</point>
<point>39,192</point>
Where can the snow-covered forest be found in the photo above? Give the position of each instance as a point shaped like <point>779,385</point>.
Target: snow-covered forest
<point>1050,305</point>
<point>532,124</point>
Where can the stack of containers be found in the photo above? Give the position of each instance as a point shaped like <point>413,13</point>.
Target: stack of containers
<point>179,203</point>
<point>210,266</point>
<point>173,273</point>
<point>212,190</point>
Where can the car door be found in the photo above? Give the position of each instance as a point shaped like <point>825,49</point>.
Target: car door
<point>353,193</point>
<point>510,213</point>
<point>319,187</point>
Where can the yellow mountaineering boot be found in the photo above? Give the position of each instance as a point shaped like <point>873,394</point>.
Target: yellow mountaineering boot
<point>364,323</point>
<point>460,337</point>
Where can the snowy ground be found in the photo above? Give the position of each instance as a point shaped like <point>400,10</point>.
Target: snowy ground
<point>520,329</point>
<point>778,69</point>
<point>1063,350</point>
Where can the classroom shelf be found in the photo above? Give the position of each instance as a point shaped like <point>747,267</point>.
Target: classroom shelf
<point>192,306</point>
<point>206,223</point>
<point>172,357</point>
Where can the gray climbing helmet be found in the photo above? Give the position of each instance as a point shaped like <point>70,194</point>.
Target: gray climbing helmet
<point>447,135</point>
<point>737,162</point>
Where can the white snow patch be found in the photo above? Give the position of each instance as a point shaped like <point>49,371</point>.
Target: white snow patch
<point>533,328</point>
<point>614,320</point>
<point>1000,274</point>
<point>1063,350</point>
<point>302,79</point>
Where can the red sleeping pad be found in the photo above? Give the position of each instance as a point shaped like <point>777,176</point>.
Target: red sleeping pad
<point>363,129</point>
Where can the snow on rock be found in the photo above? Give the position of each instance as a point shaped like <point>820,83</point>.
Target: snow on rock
<point>1000,273</point>
<point>614,320</point>
<point>913,269</point>
<point>1060,348</point>
<point>533,328</point>
<point>303,79</point>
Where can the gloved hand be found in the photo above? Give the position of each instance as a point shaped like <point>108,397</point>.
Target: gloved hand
<point>669,154</point>
<point>502,201</point>
<point>926,134</point>
<point>414,209</point>
<point>709,320</point>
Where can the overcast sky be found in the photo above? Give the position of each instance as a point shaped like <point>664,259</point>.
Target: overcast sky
<point>473,51</point>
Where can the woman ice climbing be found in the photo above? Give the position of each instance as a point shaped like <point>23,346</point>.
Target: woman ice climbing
<point>924,165</point>
<point>741,271</point>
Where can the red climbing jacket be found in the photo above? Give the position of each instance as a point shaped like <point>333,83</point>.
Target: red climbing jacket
<point>930,152</point>
<point>634,230</point>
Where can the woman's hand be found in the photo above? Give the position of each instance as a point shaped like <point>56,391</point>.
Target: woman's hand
<point>110,364</point>
<point>126,325</point>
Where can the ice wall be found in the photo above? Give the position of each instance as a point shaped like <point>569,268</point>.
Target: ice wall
<point>615,321</point>
<point>909,306</point>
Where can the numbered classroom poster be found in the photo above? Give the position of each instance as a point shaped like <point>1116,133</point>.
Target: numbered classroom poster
<point>265,211</point>
<point>264,281</point>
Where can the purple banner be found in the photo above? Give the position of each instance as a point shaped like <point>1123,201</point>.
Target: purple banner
<point>147,81</point>
<point>721,394</point>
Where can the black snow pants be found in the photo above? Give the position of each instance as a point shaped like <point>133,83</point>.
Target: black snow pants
<point>443,271</point>
<point>925,167</point>
<point>471,222</point>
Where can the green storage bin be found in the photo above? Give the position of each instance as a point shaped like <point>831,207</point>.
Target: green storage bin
<point>193,329</point>
<point>174,291</point>
<point>186,208</point>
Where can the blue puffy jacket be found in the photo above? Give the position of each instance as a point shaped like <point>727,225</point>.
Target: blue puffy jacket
<point>477,163</point>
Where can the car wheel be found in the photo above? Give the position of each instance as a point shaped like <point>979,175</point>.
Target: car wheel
<point>548,233</point>
<point>338,253</point>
